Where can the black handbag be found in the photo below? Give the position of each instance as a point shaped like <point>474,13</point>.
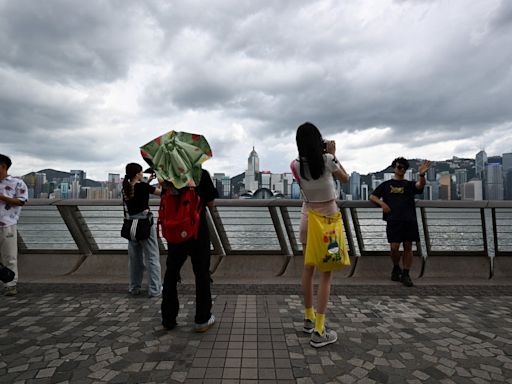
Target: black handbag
<point>6,274</point>
<point>136,229</point>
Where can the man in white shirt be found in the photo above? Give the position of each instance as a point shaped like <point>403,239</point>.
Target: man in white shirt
<point>13,195</point>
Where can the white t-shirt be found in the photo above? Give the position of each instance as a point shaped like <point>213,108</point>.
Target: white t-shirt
<point>15,188</point>
<point>321,189</point>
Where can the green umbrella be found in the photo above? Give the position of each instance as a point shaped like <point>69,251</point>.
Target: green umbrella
<point>177,157</point>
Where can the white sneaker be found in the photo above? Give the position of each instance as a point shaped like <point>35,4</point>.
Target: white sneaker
<point>309,326</point>
<point>200,328</point>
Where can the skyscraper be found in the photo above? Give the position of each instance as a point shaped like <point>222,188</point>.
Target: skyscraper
<point>461,177</point>
<point>494,185</point>
<point>39,184</point>
<point>445,186</point>
<point>251,174</point>
<point>507,175</point>
<point>355,186</point>
<point>480,164</point>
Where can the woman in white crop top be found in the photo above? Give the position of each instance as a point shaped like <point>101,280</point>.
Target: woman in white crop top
<point>314,170</point>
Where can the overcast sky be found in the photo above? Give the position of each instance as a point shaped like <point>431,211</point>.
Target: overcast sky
<point>83,84</point>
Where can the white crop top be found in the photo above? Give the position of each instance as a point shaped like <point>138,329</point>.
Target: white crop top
<point>321,189</point>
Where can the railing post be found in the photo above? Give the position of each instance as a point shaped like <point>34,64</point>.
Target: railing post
<point>217,221</point>
<point>348,232</point>
<point>425,230</point>
<point>484,235</point>
<point>289,230</point>
<point>357,229</point>
<point>22,246</point>
<point>279,230</point>
<point>78,229</point>
<point>214,236</point>
<point>495,232</point>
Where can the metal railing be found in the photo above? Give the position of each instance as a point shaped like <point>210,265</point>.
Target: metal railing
<point>270,227</point>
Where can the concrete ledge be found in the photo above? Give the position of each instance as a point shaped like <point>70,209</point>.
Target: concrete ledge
<point>502,268</point>
<point>264,270</point>
<point>457,267</point>
<point>379,267</point>
<point>250,267</point>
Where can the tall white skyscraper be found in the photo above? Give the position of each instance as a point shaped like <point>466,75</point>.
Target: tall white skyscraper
<point>251,174</point>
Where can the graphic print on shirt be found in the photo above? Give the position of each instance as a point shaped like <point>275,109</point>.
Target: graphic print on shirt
<point>399,190</point>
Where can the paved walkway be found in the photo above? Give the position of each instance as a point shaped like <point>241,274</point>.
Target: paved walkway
<point>98,334</point>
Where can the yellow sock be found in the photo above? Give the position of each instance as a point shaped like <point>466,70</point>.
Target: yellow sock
<point>309,314</point>
<point>320,323</point>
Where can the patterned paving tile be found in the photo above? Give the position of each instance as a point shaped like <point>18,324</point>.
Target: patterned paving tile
<point>444,335</point>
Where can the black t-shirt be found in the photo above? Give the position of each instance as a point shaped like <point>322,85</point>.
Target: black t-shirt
<point>207,192</point>
<point>399,195</point>
<point>140,200</point>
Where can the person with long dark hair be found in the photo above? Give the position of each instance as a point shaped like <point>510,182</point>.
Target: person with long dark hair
<point>142,254</point>
<point>315,169</point>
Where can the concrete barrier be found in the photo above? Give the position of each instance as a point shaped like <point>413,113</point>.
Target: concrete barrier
<point>502,268</point>
<point>457,267</point>
<point>252,269</point>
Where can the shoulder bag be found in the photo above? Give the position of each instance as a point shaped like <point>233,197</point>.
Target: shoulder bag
<point>136,229</point>
<point>326,248</point>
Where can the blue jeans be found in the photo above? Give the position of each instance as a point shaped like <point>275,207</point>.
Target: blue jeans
<point>145,254</point>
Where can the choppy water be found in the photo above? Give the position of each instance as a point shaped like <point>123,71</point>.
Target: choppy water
<point>251,228</point>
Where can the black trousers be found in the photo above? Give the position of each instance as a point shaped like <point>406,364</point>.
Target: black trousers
<point>199,252</point>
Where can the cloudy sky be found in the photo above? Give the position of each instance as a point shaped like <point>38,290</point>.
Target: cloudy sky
<point>84,84</point>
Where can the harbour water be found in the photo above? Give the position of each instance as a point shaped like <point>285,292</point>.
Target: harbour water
<point>252,228</point>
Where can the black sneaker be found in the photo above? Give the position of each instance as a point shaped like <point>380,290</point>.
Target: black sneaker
<point>396,273</point>
<point>406,280</point>
<point>169,325</point>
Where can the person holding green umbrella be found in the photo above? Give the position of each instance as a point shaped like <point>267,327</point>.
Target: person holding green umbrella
<point>176,158</point>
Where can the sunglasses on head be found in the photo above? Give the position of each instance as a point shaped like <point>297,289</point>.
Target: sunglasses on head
<point>401,167</point>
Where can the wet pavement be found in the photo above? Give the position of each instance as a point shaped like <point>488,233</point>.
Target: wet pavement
<point>94,333</point>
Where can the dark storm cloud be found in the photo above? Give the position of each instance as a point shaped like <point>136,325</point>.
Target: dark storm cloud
<point>91,41</point>
<point>427,71</point>
<point>452,78</point>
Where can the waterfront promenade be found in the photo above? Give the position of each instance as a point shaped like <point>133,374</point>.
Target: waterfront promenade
<point>97,333</point>
<point>73,321</point>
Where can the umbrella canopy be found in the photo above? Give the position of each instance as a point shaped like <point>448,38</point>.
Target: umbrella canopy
<point>177,157</point>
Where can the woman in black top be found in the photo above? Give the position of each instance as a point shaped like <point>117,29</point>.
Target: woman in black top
<point>144,253</point>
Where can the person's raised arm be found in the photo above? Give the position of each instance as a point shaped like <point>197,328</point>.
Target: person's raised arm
<point>158,187</point>
<point>340,173</point>
<point>422,170</point>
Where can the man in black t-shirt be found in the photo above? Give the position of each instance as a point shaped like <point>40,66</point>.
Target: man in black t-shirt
<point>396,198</point>
<point>199,252</point>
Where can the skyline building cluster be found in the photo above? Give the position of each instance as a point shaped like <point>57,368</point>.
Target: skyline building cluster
<point>51,184</point>
<point>482,178</point>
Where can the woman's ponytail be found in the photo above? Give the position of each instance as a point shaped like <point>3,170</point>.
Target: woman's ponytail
<point>131,171</point>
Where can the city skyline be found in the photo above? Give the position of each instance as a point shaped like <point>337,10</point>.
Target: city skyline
<point>482,177</point>
<point>242,169</point>
<point>420,79</point>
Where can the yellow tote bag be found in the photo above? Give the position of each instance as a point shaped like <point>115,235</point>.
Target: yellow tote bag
<point>326,248</point>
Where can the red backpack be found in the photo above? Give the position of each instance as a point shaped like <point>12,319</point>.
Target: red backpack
<point>179,214</point>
